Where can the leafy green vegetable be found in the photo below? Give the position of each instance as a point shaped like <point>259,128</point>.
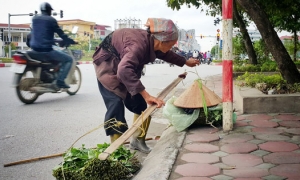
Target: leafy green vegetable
<point>83,164</point>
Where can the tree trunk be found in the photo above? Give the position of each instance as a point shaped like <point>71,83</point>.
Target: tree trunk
<point>295,45</point>
<point>248,43</point>
<point>285,64</point>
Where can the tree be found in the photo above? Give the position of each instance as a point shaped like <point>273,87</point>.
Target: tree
<point>246,38</point>
<point>285,64</point>
<point>285,15</point>
<point>261,50</point>
<point>215,7</point>
<point>238,46</point>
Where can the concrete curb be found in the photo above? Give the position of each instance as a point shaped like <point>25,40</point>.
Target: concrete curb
<point>217,64</point>
<point>5,64</point>
<point>160,161</point>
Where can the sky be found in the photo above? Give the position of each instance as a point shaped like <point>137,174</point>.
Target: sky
<point>105,12</point>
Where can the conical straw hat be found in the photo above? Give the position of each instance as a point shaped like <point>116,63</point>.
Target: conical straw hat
<point>192,97</point>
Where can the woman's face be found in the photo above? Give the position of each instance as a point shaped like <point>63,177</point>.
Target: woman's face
<point>163,46</point>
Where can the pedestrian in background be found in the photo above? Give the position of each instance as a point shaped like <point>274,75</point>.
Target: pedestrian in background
<point>208,57</point>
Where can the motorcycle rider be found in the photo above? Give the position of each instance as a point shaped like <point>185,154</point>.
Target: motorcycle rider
<point>42,38</point>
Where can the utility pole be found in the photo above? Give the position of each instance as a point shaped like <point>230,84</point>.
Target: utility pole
<point>227,65</point>
<point>9,33</point>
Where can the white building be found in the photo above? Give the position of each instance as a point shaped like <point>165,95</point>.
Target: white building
<point>253,33</point>
<point>18,33</point>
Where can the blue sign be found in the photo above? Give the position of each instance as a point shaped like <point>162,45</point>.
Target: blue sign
<point>221,42</point>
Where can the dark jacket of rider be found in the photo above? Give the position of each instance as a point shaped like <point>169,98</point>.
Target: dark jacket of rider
<point>42,34</point>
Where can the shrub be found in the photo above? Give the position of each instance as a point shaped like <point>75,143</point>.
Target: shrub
<point>269,66</point>
<point>251,80</point>
<point>6,60</point>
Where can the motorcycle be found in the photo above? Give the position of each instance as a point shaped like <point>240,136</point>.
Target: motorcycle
<point>208,61</point>
<point>34,75</point>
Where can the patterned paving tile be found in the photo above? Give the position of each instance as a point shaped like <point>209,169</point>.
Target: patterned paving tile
<point>256,141</point>
<point>260,117</point>
<point>203,130</point>
<point>287,117</point>
<point>247,172</point>
<point>220,153</point>
<point>282,158</point>
<point>260,153</point>
<point>267,130</point>
<point>272,137</point>
<point>290,124</point>
<point>204,138</point>
<point>235,138</point>
<point>273,177</point>
<point>200,158</point>
<point>265,166</point>
<point>193,178</point>
<point>235,148</point>
<point>242,160</point>
<point>293,131</point>
<point>287,170</point>
<point>240,124</point>
<point>263,123</point>
<point>221,177</point>
<point>241,117</point>
<point>201,147</point>
<point>195,169</point>
<point>278,146</point>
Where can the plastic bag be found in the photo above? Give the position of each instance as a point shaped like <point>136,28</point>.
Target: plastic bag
<point>177,117</point>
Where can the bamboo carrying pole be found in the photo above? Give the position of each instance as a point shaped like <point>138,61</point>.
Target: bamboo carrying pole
<point>121,140</point>
<point>60,154</point>
<point>104,155</point>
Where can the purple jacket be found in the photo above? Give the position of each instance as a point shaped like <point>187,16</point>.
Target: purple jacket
<point>136,48</point>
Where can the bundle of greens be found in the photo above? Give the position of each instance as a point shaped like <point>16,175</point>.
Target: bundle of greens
<point>83,164</point>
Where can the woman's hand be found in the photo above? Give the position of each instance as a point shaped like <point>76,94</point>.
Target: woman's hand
<point>152,100</point>
<point>191,62</point>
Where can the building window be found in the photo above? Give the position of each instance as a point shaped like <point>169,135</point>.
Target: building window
<point>15,39</point>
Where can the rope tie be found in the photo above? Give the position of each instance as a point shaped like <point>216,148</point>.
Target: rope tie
<point>115,122</point>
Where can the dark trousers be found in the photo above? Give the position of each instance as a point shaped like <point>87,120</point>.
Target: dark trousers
<point>115,109</point>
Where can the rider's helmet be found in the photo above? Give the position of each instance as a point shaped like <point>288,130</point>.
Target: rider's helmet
<point>46,8</point>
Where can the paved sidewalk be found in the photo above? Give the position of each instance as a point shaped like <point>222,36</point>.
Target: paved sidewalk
<point>261,146</point>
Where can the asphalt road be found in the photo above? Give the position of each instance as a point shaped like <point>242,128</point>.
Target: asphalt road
<point>55,121</point>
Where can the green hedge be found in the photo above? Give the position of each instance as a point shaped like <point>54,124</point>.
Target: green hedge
<point>6,60</point>
<point>268,66</point>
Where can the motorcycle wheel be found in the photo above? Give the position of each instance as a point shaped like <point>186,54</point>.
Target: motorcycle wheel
<point>76,82</point>
<point>26,96</point>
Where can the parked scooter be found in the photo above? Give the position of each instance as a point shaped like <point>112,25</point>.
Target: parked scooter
<point>35,76</point>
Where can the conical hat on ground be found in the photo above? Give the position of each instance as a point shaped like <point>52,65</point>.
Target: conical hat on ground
<point>192,97</point>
